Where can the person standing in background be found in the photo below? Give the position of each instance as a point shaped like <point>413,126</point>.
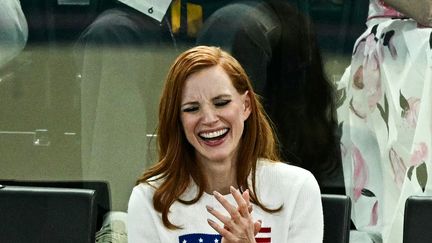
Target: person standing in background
<point>386,117</point>
<point>120,57</point>
<point>277,46</point>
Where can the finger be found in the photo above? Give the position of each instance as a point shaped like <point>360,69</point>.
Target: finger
<point>246,197</point>
<point>241,202</point>
<point>235,215</point>
<point>224,219</point>
<point>222,231</point>
<point>257,226</point>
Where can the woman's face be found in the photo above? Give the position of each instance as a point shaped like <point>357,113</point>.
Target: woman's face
<point>213,115</point>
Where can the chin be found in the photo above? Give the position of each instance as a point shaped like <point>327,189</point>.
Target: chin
<point>216,157</point>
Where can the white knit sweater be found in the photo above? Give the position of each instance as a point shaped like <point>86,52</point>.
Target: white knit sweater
<point>300,220</point>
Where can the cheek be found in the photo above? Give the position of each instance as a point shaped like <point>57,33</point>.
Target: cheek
<point>188,125</point>
<point>237,119</point>
<point>239,114</point>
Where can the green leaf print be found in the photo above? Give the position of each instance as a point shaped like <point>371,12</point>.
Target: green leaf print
<point>422,176</point>
<point>410,171</point>
<point>384,112</point>
<point>367,193</point>
<point>403,102</point>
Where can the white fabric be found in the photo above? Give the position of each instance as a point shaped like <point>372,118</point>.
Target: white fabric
<point>301,219</point>
<point>156,9</point>
<point>13,30</point>
<point>113,229</point>
<point>386,122</point>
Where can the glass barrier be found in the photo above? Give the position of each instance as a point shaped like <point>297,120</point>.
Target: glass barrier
<point>80,83</point>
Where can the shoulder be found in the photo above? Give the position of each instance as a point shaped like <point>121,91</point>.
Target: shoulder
<point>147,189</point>
<point>280,169</point>
<point>276,174</point>
<point>142,192</point>
<point>279,183</point>
<point>140,209</point>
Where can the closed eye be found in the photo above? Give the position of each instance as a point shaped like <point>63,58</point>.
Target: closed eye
<point>220,103</point>
<point>190,109</point>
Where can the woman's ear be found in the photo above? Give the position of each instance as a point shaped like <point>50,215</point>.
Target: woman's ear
<point>247,109</point>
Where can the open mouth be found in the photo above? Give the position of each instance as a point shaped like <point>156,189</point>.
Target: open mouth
<point>214,135</point>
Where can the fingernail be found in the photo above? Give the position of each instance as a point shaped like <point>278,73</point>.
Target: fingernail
<point>210,221</point>
<point>209,208</point>
<point>217,194</point>
<point>232,189</point>
<point>259,220</point>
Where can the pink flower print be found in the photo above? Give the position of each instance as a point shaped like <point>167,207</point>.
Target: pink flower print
<point>357,103</point>
<point>411,114</point>
<point>372,81</point>
<point>420,154</point>
<point>367,85</point>
<point>360,173</point>
<point>398,167</point>
<point>374,215</point>
<point>358,78</point>
<point>370,45</point>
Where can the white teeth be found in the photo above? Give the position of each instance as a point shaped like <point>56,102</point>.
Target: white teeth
<point>214,134</point>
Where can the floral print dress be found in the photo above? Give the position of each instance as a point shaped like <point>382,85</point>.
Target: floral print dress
<point>385,117</point>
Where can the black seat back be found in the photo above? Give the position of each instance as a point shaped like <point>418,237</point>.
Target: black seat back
<point>101,188</point>
<point>337,218</point>
<point>417,220</point>
<point>42,214</point>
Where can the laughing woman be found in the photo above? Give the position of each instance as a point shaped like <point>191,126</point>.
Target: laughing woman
<point>217,178</point>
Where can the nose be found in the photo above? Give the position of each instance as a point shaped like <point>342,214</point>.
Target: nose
<point>209,115</point>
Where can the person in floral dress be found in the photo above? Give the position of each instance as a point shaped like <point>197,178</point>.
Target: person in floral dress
<point>385,117</point>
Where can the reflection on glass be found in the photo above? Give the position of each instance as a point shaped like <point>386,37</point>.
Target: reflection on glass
<point>41,137</point>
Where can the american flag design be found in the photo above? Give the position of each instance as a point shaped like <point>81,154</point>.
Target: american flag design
<point>262,237</point>
<point>200,238</point>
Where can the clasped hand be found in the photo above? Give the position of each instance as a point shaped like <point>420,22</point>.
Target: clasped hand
<point>239,226</point>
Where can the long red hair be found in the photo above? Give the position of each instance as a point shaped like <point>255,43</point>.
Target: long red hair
<point>177,166</point>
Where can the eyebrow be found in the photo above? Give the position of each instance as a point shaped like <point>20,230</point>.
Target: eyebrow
<point>189,103</point>
<point>222,96</point>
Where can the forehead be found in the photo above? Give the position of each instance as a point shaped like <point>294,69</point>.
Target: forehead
<point>209,82</point>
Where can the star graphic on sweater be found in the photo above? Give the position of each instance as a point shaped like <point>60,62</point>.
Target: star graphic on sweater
<point>216,241</point>
<point>200,240</point>
<point>184,241</point>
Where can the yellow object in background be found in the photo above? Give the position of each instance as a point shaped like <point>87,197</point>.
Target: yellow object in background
<point>175,16</point>
<point>194,19</point>
<point>194,15</point>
